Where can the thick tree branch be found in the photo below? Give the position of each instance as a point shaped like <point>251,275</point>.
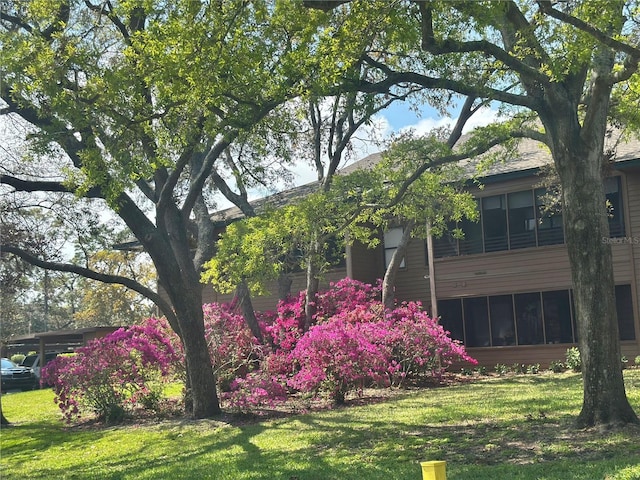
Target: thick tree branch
<point>45,186</point>
<point>546,7</point>
<point>15,20</point>
<point>394,78</point>
<point>92,274</point>
<point>239,200</point>
<point>447,46</point>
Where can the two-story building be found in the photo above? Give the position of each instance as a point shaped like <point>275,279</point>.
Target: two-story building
<point>505,290</point>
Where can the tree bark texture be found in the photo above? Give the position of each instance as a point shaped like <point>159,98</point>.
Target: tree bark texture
<point>578,157</point>
<point>3,419</point>
<point>246,306</point>
<point>389,280</point>
<point>187,303</point>
<point>313,284</point>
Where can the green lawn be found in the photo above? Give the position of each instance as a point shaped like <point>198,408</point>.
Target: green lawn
<point>516,427</point>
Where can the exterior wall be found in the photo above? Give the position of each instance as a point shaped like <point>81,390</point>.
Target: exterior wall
<point>363,263</point>
<point>631,186</point>
<point>534,269</point>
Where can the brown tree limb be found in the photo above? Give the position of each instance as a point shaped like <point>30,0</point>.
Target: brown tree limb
<point>131,284</point>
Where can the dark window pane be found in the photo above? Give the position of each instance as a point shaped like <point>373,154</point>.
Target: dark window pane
<point>502,326</point>
<point>445,246</point>
<point>624,307</point>
<point>476,322</point>
<point>335,252</point>
<point>550,229</point>
<point>450,312</point>
<point>522,220</point>
<point>557,317</point>
<point>494,221</point>
<point>472,241</point>
<point>614,207</point>
<point>573,317</point>
<point>528,318</point>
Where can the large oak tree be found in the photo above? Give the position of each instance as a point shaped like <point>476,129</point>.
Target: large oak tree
<point>139,103</point>
<point>574,66</point>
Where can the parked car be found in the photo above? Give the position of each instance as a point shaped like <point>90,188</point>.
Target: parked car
<point>17,377</point>
<point>33,361</point>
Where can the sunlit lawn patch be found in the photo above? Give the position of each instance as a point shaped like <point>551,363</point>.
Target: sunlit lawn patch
<point>513,427</point>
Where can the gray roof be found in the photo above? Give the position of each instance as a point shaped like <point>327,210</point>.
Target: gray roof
<point>530,156</point>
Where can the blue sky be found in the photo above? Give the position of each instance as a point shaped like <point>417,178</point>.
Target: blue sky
<point>396,118</point>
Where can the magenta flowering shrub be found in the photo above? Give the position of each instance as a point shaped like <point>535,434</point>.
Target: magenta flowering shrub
<point>111,375</point>
<point>339,356</point>
<point>284,327</point>
<point>351,344</point>
<point>345,295</point>
<point>234,350</point>
<point>421,347</point>
<point>257,389</point>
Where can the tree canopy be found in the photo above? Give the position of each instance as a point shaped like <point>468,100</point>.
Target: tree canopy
<point>573,68</point>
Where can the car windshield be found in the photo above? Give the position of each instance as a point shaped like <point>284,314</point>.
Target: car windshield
<point>29,360</point>
<point>6,363</point>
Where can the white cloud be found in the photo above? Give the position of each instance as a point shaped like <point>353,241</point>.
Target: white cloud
<point>484,116</point>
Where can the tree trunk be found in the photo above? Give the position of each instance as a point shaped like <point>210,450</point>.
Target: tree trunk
<point>185,293</point>
<point>246,306</point>
<point>389,281</point>
<point>579,163</point>
<point>313,284</point>
<point>3,420</point>
<point>202,383</point>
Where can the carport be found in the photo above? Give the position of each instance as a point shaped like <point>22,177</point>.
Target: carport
<point>57,341</point>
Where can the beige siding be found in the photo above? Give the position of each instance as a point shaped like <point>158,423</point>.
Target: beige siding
<point>631,188</point>
<point>365,264</point>
<point>532,354</point>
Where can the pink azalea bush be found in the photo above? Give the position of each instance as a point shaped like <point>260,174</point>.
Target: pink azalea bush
<point>111,375</point>
<point>257,389</point>
<point>234,350</point>
<point>338,356</point>
<point>352,343</point>
<point>365,347</point>
<point>421,347</point>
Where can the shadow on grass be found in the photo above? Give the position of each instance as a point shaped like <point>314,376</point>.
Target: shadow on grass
<point>533,437</point>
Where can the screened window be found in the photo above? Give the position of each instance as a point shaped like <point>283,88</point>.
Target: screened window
<point>502,325</point>
<point>472,241</point>
<point>446,245</point>
<point>522,220</point>
<point>494,220</point>
<point>450,312</point>
<point>476,319</point>
<point>529,318</point>
<point>392,239</point>
<point>549,221</point>
<point>525,318</point>
<point>558,327</point>
<point>624,307</point>
<point>614,207</point>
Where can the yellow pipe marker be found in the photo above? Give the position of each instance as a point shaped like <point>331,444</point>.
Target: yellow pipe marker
<point>434,470</point>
